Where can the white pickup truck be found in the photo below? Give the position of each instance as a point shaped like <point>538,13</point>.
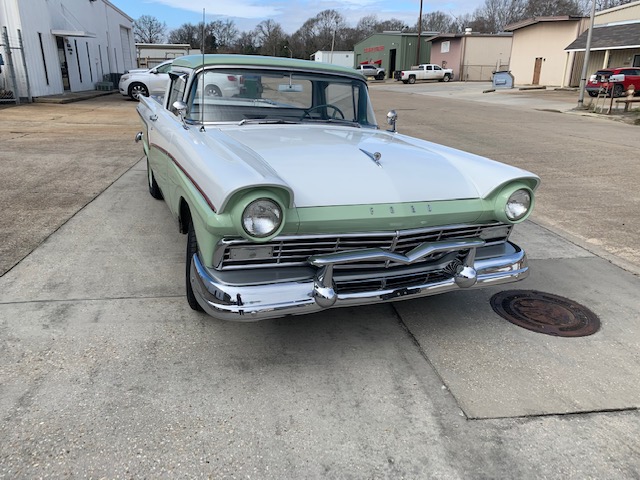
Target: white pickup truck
<point>426,71</point>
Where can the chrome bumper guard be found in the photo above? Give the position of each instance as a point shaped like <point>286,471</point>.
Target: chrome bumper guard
<point>247,302</point>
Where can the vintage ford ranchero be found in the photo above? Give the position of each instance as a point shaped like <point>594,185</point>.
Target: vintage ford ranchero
<point>294,201</point>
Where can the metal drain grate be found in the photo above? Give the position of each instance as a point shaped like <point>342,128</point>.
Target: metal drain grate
<point>545,313</point>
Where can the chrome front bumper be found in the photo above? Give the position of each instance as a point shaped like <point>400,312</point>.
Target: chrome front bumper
<point>226,298</point>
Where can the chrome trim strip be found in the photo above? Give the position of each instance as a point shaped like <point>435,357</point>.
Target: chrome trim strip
<point>258,302</point>
<point>290,247</point>
<point>421,251</point>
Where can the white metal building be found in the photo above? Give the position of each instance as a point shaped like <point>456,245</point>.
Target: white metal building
<point>53,46</point>
<point>344,59</point>
<point>151,54</point>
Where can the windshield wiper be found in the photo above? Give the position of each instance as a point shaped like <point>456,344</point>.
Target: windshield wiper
<point>334,120</point>
<point>270,121</point>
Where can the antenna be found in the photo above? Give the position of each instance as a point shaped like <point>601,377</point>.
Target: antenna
<point>202,94</point>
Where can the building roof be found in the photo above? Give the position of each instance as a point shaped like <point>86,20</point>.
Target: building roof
<point>532,21</point>
<point>444,36</point>
<point>619,7</point>
<point>609,37</point>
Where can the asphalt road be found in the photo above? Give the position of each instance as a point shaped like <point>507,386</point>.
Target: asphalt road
<point>106,373</point>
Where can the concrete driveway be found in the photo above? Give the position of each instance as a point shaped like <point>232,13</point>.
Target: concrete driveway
<point>107,373</point>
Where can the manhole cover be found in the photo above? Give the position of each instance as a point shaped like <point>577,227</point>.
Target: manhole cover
<point>545,313</point>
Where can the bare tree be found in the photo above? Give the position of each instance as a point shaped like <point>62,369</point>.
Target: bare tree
<point>186,33</point>
<point>540,8</point>
<point>270,37</point>
<point>148,29</point>
<point>245,44</point>
<point>225,33</point>
<point>437,21</point>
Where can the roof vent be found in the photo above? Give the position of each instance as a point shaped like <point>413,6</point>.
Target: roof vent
<point>467,31</point>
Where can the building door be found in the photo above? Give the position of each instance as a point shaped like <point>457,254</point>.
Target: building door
<point>62,57</point>
<point>125,40</point>
<point>392,62</point>
<point>536,71</point>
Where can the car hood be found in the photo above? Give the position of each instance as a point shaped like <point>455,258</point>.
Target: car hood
<point>337,165</point>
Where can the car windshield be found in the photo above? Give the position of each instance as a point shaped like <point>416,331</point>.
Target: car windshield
<point>270,96</point>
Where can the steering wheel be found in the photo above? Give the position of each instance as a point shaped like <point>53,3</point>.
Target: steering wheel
<point>335,109</point>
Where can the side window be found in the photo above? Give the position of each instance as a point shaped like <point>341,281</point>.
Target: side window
<point>176,92</point>
<point>429,67</point>
<point>164,68</point>
<point>345,97</point>
<point>436,67</point>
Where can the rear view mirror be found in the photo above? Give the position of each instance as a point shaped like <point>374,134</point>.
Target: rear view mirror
<point>289,87</point>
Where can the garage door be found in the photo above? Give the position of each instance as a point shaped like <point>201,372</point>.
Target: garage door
<point>125,39</point>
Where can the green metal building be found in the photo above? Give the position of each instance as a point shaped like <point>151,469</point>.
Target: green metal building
<point>394,50</point>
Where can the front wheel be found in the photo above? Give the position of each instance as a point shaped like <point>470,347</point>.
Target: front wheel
<point>446,78</point>
<point>192,249</point>
<point>380,76</point>
<point>138,89</point>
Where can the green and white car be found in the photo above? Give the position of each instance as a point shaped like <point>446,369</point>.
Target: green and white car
<point>294,200</point>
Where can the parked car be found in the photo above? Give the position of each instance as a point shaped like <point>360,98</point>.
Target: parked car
<point>426,71</point>
<point>147,82</point>
<point>293,200</point>
<point>372,70</point>
<point>600,80</point>
<point>154,81</point>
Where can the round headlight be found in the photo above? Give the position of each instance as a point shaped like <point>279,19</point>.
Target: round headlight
<point>518,205</point>
<point>261,218</point>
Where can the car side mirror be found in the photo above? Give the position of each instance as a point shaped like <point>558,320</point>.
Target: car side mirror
<point>392,117</point>
<point>181,109</point>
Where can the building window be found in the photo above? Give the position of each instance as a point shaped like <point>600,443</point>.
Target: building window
<point>44,61</point>
<point>78,60</point>
<point>444,47</point>
<point>636,60</point>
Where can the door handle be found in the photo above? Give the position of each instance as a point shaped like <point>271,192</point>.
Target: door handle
<point>153,118</point>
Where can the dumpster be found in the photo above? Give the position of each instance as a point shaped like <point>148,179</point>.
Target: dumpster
<point>502,79</point>
<point>252,87</point>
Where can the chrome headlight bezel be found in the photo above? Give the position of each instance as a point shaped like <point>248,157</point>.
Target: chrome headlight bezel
<point>518,205</point>
<point>262,218</point>
<point>514,204</point>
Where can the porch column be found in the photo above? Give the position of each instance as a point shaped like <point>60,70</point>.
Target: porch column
<point>605,64</point>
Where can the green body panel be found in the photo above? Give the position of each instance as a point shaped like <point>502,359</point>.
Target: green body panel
<point>385,217</point>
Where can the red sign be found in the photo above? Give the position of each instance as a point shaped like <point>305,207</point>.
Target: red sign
<point>374,49</point>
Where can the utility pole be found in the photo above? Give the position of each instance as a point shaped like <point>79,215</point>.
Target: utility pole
<point>587,51</point>
<point>419,32</point>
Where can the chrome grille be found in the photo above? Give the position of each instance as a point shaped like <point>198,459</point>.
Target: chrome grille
<point>295,250</point>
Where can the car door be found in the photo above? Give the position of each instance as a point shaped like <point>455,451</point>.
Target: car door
<point>631,77</point>
<point>159,79</point>
<point>429,75</point>
<point>161,126</point>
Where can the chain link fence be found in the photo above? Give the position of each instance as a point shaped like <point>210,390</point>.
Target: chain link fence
<point>481,73</point>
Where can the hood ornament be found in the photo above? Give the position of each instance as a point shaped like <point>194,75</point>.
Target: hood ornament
<point>373,156</point>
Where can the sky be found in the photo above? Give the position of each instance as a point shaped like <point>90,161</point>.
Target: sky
<point>289,14</point>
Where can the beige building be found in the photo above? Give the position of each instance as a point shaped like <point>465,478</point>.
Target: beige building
<point>472,56</point>
<point>615,41</point>
<point>537,51</point>
<point>550,50</point>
